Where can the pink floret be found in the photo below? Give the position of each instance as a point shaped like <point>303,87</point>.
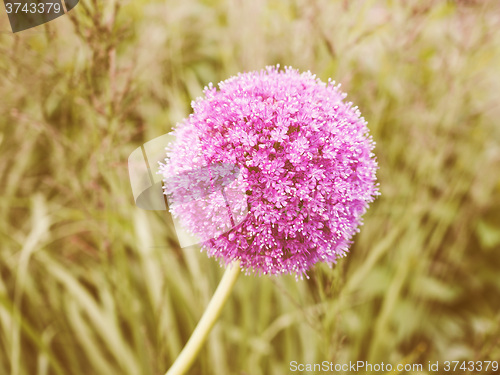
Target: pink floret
<point>306,168</point>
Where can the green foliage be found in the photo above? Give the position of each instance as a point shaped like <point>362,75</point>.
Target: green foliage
<point>90,284</point>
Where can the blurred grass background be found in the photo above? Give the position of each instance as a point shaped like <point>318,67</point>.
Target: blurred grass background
<point>90,284</point>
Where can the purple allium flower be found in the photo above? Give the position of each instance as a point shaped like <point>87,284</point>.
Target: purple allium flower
<point>306,170</point>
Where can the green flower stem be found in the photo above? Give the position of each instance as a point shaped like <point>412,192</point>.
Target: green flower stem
<point>207,321</point>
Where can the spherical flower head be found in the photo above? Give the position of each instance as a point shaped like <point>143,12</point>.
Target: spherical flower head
<point>306,170</point>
